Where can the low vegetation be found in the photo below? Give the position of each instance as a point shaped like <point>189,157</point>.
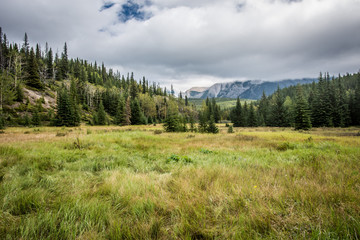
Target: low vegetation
<point>137,182</point>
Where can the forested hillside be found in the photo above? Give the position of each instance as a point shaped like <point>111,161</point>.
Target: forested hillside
<point>332,102</point>
<point>39,87</point>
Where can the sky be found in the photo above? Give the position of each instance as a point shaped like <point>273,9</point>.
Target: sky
<point>190,43</point>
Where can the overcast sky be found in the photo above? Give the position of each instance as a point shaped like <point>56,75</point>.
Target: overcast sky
<point>191,43</point>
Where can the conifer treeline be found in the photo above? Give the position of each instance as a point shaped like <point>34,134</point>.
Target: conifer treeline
<point>332,102</point>
<point>85,91</point>
<point>91,93</point>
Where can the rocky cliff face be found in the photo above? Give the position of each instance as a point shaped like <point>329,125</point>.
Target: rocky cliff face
<point>251,89</point>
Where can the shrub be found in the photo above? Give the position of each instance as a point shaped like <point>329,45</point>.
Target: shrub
<point>157,132</point>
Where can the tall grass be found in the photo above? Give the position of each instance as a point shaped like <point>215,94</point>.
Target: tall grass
<point>129,183</point>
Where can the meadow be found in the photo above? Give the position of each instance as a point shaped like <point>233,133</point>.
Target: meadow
<point>141,183</point>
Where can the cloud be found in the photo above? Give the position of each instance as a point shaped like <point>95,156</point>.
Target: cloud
<point>188,43</point>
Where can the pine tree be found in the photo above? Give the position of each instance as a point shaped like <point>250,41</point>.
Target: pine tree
<point>127,113</point>
<point>252,122</point>
<point>101,115</point>
<point>172,123</point>
<point>26,45</point>
<point>35,120</point>
<point>212,128</point>
<point>64,65</point>
<point>263,110</point>
<point>278,110</point>
<point>237,116</point>
<point>203,125</point>
<point>2,121</point>
<point>120,112</point>
<point>49,65</point>
<point>135,112</point>
<point>33,78</point>
<point>356,104</point>
<point>66,110</point>
<point>302,116</point>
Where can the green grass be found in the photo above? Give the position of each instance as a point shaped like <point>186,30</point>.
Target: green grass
<point>129,183</point>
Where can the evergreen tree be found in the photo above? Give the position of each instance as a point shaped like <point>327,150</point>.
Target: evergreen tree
<point>135,112</point>
<point>101,115</point>
<point>212,128</point>
<point>252,122</point>
<point>26,45</point>
<point>203,126</point>
<point>35,120</point>
<point>356,103</point>
<point>66,110</point>
<point>120,112</point>
<point>172,123</point>
<point>230,129</point>
<point>33,78</point>
<point>302,116</point>
<point>2,121</point>
<point>64,65</point>
<point>127,113</point>
<point>278,110</point>
<point>237,116</point>
<point>263,110</point>
<point>49,65</point>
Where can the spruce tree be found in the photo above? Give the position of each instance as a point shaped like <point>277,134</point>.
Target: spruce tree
<point>237,116</point>
<point>278,111</point>
<point>252,121</point>
<point>33,78</point>
<point>263,110</point>
<point>120,112</point>
<point>302,116</point>
<point>172,123</point>
<point>101,115</point>
<point>212,128</point>
<point>135,112</point>
<point>49,65</point>
<point>127,113</point>
<point>35,120</point>
<point>202,122</point>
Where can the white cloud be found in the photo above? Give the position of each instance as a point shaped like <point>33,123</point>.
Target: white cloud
<point>189,43</point>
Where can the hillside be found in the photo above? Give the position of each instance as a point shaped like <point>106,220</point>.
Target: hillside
<point>251,89</point>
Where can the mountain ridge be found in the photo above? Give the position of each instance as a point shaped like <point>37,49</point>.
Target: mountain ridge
<point>249,89</point>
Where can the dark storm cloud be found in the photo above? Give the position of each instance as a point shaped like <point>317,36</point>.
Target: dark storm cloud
<point>198,42</point>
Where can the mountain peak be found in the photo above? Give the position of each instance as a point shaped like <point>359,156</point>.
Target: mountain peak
<point>248,89</point>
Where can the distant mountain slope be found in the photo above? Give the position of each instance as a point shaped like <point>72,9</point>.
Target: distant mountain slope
<point>251,89</point>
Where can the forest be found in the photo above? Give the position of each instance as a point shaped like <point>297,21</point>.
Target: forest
<point>71,91</point>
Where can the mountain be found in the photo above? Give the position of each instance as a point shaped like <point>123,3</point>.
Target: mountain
<point>250,89</point>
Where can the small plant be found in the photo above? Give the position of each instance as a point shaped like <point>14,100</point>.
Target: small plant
<point>186,159</point>
<point>175,158</point>
<point>88,131</point>
<point>157,132</point>
<point>60,134</point>
<point>205,151</point>
<point>285,146</point>
<point>230,129</point>
<point>77,144</point>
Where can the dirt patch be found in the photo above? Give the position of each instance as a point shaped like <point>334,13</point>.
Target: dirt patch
<point>33,96</point>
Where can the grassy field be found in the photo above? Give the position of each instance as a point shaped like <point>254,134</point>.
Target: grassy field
<point>130,183</point>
